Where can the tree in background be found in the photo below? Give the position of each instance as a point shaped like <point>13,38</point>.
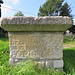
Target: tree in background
<point>19,14</point>
<point>50,8</point>
<point>72,29</point>
<point>66,10</point>
<point>56,8</point>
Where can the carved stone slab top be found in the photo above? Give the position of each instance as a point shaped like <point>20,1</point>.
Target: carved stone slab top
<point>46,23</point>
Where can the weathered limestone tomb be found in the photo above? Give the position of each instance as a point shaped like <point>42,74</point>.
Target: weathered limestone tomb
<point>38,38</point>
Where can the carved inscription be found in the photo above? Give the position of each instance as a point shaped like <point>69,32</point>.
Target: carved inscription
<point>22,51</point>
<point>37,46</point>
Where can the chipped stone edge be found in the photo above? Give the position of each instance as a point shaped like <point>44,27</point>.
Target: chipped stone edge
<point>37,20</point>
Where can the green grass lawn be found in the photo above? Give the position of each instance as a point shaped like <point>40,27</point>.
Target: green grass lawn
<point>30,67</point>
<point>69,60</point>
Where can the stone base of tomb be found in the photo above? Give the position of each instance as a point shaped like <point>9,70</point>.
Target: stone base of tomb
<point>44,47</point>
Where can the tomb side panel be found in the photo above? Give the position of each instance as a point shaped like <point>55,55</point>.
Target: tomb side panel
<point>36,45</point>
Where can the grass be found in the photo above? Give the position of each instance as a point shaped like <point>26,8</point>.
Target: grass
<point>69,55</point>
<point>4,50</point>
<point>31,67</point>
<point>4,55</point>
<point>69,39</point>
<point>69,60</point>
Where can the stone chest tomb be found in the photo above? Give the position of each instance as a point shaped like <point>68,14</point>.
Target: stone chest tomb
<point>38,38</point>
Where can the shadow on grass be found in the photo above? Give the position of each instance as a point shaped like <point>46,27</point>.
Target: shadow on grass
<point>69,59</point>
